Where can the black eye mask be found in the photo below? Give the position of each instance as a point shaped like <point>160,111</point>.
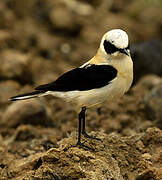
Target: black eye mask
<point>110,48</point>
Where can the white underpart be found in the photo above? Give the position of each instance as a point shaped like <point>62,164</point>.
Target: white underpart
<point>88,98</point>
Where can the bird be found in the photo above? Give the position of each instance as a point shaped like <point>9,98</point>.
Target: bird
<point>104,78</point>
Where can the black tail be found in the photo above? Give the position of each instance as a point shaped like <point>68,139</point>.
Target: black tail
<point>27,96</point>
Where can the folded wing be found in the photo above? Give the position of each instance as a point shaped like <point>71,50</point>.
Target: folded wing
<point>85,78</point>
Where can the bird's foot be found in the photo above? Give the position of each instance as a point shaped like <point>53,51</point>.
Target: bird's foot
<point>83,146</point>
<point>90,137</point>
<point>80,145</point>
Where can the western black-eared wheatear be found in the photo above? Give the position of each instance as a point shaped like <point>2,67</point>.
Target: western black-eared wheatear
<point>107,76</point>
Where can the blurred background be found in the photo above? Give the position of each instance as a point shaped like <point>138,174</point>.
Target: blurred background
<point>41,39</point>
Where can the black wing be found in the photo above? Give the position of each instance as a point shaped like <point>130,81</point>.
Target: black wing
<point>86,78</point>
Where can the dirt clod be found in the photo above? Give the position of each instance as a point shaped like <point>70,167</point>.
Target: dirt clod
<point>40,40</point>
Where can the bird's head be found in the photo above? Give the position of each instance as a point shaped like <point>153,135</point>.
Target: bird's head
<point>115,43</point>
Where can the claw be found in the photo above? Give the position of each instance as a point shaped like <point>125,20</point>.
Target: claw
<point>80,145</point>
<point>90,137</point>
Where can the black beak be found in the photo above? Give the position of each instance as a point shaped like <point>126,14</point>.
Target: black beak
<point>124,51</point>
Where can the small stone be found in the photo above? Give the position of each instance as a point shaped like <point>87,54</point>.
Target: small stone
<point>7,88</point>
<point>76,158</point>
<point>62,17</point>
<point>25,112</point>
<point>14,66</point>
<point>153,101</point>
<point>144,54</point>
<point>146,156</point>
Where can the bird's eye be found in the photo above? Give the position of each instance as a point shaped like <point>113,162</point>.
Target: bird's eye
<point>109,48</point>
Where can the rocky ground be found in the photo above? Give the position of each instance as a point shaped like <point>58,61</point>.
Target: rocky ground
<point>39,40</point>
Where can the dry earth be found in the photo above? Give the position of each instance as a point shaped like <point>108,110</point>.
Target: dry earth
<point>39,40</point>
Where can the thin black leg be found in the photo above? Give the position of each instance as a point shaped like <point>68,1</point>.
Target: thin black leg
<point>80,127</point>
<point>82,119</point>
<point>79,143</point>
<point>83,128</point>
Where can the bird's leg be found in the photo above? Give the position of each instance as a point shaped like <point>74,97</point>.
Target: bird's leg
<point>83,128</point>
<point>80,127</point>
<point>81,117</point>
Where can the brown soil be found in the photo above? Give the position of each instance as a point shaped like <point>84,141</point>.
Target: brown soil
<point>39,40</point>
